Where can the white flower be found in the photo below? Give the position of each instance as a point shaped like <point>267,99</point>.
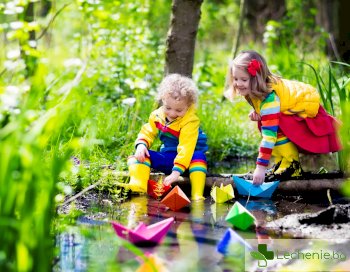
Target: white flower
<point>129,101</point>
<point>16,25</point>
<point>13,54</point>
<point>93,2</point>
<point>206,84</point>
<point>11,8</point>
<point>72,62</point>
<point>32,43</point>
<point>12,65</point>
<point>10,98</point>
<point>141,84</point>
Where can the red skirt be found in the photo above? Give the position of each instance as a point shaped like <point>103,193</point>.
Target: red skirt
<point>311,135</point>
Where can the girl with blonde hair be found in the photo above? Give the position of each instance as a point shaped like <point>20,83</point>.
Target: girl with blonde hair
<point>289,116</point>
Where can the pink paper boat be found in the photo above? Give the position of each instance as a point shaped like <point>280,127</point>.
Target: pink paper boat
<point>144,235</point>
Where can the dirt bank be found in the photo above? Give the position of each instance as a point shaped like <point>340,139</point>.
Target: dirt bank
<point>329,223</point>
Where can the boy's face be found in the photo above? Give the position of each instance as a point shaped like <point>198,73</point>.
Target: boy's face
<point>174,108</point>
<point>241,81</point>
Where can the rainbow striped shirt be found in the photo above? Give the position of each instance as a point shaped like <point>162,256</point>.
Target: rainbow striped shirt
<point>270,113</point>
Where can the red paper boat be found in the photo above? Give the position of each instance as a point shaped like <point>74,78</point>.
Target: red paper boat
<point>176,199</point>
<point>157,189</point>
<point>144,235</point>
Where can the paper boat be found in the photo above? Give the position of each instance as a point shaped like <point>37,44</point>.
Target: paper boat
<point>245,187</point>
<point>223,193</point>
<point>157,189</point>
<point>240,217</point>
<point>231,242</point>
<point>144,235</point>
<point>176,199</point>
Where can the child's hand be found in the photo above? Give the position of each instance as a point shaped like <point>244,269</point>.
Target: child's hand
<point>141,152</point>
<point>259,175</point>
<point>254,116</point>
<point>174,176</point>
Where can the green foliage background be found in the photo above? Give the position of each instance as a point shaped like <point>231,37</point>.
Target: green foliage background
<point>87,82</point>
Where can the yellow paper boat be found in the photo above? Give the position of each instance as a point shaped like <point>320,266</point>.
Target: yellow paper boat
<point>223,193</point>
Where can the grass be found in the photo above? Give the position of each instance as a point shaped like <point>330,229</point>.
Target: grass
<point>334,90</point>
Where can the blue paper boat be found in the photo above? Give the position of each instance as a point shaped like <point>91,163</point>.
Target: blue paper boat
<point>245,187</point>
<point>231,242</point>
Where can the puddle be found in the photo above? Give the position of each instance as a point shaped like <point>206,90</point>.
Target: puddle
<point>190,244</point>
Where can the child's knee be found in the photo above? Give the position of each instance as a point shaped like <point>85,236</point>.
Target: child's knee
<point>132,161</point>
<point>198,163</point>
<point>199,155</point>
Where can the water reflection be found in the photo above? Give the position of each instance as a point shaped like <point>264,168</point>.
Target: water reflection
<point>266,205</point>
<point>153,262</point>
<point>190,245</point>
<point>137,211</point>
<point>72,252</point>
<point>219,212</point>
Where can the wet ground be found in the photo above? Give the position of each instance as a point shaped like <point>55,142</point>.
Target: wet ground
<point>191,243</point>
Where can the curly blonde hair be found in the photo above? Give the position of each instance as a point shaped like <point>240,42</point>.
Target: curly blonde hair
<point>178,87</point>
<point>260,84</point>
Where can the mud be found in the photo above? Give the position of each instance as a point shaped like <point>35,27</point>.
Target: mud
<point>328,223</point>
<point>335,214</point>
<point>93,205</point>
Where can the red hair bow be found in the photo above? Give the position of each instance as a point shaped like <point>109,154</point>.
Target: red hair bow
<point>253,67</point>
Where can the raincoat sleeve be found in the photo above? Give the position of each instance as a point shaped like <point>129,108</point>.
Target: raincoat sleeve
<point>270,113</point>
<point>148,132</point>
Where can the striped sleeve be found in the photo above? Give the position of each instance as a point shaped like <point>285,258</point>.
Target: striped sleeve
<point>270,113</point>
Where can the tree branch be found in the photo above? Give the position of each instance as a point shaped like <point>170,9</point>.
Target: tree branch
<point>51,21</point>
<point>80,193</point>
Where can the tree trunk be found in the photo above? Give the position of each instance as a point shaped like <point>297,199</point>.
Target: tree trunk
<point>182,36</point>
<point>45,7</point>
<point>258,12</point>
<point>333,17</point>
<point>30,61</point>
<point>343,41</point>
<point>242,15</point>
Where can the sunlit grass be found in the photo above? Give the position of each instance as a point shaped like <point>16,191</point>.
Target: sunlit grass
<point>334,88</point>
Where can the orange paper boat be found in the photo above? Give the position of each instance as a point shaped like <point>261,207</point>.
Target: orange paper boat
<point>144,235</point>
<point>176,199</point>
<point>157,189</point>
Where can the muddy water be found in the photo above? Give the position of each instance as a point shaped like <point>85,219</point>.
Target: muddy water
<point>191,243</point>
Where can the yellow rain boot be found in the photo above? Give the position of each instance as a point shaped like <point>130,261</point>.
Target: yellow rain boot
<point>287,160</point>
<point>197,179</point>
<point>139,174</point>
